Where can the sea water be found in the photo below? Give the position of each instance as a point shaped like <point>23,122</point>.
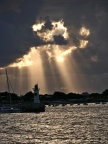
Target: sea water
<point>77,124</point>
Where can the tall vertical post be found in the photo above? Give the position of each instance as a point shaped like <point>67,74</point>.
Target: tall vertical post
<point>8,86</point>
<point>36,94</point>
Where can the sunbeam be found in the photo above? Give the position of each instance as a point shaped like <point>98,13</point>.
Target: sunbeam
<point>52,60</point>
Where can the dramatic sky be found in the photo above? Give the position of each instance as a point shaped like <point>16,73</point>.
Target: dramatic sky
<point>60,44</point>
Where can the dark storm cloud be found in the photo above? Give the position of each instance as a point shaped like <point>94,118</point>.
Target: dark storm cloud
<point>17,17</point>
<point>13,5</point>
<point>15,42</point>
<point>59,39</point>
<point>16,36</point>
<point>48,25</point>
<point>19,12</point>
<point>93,14</point>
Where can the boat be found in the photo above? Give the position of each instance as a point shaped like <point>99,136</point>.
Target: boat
<point>9,108</point>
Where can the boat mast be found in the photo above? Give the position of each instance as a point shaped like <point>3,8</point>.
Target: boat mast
<point>8,86</point>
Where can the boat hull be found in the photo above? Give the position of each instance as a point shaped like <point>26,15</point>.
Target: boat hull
<point>9,110</point>
<point>24,108</point>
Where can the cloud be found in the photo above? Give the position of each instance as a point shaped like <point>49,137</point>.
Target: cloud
<point>48,24</point>
<point>84,32</point>
<point>51,32</point>
<point>13,5</point>
<point>15,42</point>
<point>86,22</point>
<point>59,39</point>
<point>16,19</point>
<point>71,23</point>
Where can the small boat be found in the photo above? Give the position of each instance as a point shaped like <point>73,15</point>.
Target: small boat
<point>9,109</point>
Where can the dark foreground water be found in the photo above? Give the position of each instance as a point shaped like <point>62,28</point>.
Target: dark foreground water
<point>77,124</point>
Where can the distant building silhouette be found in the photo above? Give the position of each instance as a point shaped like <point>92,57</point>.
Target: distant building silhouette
<point>36,94</point>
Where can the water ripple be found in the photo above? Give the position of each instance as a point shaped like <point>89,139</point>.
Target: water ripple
<point>58,125</point>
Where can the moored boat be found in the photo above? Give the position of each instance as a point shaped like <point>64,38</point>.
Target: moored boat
<point>9,109</point>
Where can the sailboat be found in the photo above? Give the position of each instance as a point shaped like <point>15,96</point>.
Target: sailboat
<point>9,108</point>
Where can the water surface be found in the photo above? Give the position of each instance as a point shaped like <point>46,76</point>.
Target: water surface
<point>77,124</point>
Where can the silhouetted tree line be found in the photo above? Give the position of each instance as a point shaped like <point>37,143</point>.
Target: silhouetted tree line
<point>29,96</point>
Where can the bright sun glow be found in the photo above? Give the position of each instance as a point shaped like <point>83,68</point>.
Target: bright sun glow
<point>53,51</point>
<point>26,60</point>
<point>64,53</point>
<point>48,35</point>
<point>37,27</point>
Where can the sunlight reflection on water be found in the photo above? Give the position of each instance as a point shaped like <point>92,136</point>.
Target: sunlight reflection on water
<point>77,124</point>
